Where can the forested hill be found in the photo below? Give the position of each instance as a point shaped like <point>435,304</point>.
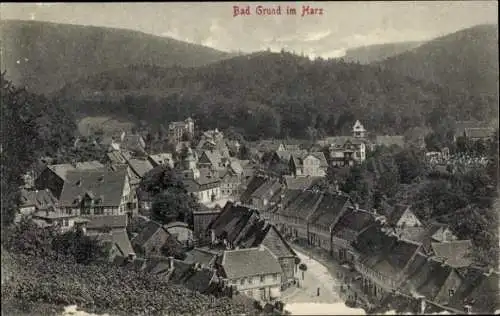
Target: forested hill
<point>466,60</point>
<point>44,56</point>
<point>275,94</point>
<point>379,52</point>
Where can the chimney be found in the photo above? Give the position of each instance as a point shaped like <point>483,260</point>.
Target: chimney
<point>212,236</point>
<point>171,263</point>
<point>356,206</point>
<point>468,309</point>
<point>422,305</point>
<point>131,257</point>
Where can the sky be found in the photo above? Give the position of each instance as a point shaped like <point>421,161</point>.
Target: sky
<point>342,25</point>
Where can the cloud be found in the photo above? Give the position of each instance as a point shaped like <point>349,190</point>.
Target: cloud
<point>316,36</point>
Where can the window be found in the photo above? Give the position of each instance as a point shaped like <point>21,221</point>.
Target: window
<point>242,281</point>
<point>65,223</point>
<point>69,210</point>
<point>250,281</point>
<point>99,210</point>
<point>262,279</point>
<point>451,292</point>
<point>275,277</point>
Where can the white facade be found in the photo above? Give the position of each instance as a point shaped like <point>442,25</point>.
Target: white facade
<point>260,287</point>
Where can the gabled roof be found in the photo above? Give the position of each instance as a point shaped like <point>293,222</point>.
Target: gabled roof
<point>275,242</point>
<point>85,165</point>
<point>107,185</point>
<point>300,183</point>
<point>267,189</point>
<point>351,223</point>
<point>120,239</point>
<point>161,158</point>
<point>329,209</point>
<point>40,199</point>
<point>201,256</point>
<point>140,166</point>
<point>235,165</point>
<point>232,219</point>
<point>214,157</point>
<point>111,221</point>
<point>397,213</point>
<point>249,262</point>
<point>61,170</point>
<point>148,231</point>
<point>456,253</point>
<point>253,185</point>
<point>303,205</point>
<point>133,142</point>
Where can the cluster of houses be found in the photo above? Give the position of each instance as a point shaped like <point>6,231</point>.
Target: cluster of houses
<point>239,242</point>
<point>380,253</point>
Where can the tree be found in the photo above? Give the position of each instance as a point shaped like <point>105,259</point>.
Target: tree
<point>172,205</point>
<point>411,165</point>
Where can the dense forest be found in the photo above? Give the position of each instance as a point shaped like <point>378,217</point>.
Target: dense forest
<point>43,56</point>
<point>278,95</point>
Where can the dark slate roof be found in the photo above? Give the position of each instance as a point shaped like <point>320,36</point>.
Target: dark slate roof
<point>249,262</point>
<point>182,270</point>
<point>275,242</point>
<point>267,189</point>
<point>253,185</point>
<point>103,183</point>
<point>303,205</point>
<point>149,230</point>
<point>329,209</point>
<point>300,183</point>
<point>397,211</point>
<point>198,280</point>
<point>132,142</point>
<point>111,221</point>
<point>140,166</point>
<point>207,180</point>
<point>41,199</point>
<point>232,219</point>
<point>352,223</point>
<point>61,169</point>
<point>120,238</point>
<point>201,256</point>
<point>456,253</point>
<point>486,295</point>
<point>429,278</point>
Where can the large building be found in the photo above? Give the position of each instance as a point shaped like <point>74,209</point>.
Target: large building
<point>178,130</point>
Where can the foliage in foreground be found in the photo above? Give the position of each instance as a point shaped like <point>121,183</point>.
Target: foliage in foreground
<point>42,282</point>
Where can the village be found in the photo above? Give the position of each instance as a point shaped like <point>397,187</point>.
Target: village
<point>261,215</point>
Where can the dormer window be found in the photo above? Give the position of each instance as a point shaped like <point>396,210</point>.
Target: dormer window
<point>100,179</point>
<point>78,183</point>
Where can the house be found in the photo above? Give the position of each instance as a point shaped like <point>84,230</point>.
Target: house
<point>35,200</point>
<point>456,254</point>
<point>230,183</point>
<point>151,239</point>
<point>201,221</point>
<point>117,244</point>
<point>205,185</point>
<point>137,169</point>
<point>358,131</point>
<point>346,231</point>
<point>213,160</point>
<point>213,140</point>
<point>231,224</point>
<point>347,152</point>
<point>280,200</point>
<point>432,281</point>
<point>133,143</point>
<point>118,157</point>
<point>201,183</point>
<point>402,216</point>
<point>268,235</point>
<point>181,232</point>
<point>479,133</point>
<point>293,218</point>
<point>204,257</point>
<point>179,131</point>
<point>56,218</point>
<point>53,178</point>
<point>255,272</point>
<point>253,184</point>
<point>312,164</point>
<point>320,223</point>
<point>96,225</point>
<point>300,183</point>
<point>97,192</point>
<point>260,198</point>
<point>163,159</point>
<point>383,261</point>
